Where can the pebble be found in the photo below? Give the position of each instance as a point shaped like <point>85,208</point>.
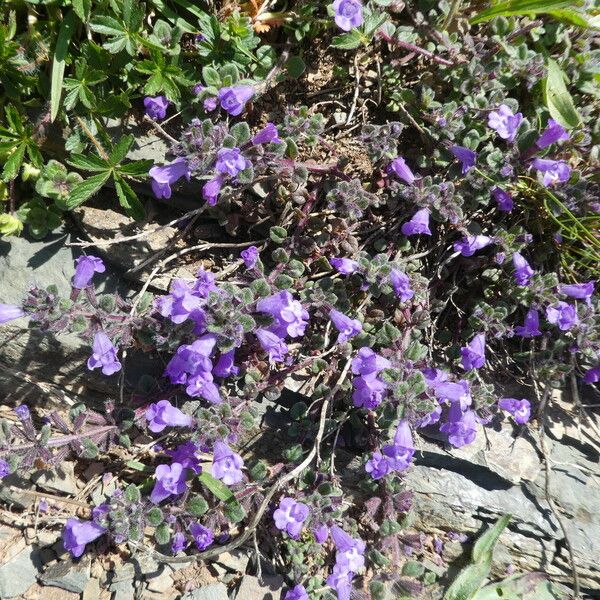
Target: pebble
<point>18,574</point>
<point>267,588</point>
<point>215,591</point>
<point>68,575</point>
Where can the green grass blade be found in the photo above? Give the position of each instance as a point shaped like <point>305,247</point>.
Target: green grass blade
<point>58,65</point>
<point>521,7</point>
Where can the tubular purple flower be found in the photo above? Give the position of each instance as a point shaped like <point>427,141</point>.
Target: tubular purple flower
<point>290,516</point>
<point>592,375</point>
<point>399,167</point>
<point>250,256</point>
<point>186,455</point>
<point>471,243</point>
<point>210,104</point>
<point>296,593</point>
<point>77,534</point>
<point>165,176</point>
<point>399,455</point>
<point>321,533</point>
<point>201,385</point>
<point>551,172</point>
<point>227,465</point>
<point>183,302</point>
<point>9,312</point>
<point>504,122</point>
<point>225,366</point>
<point>456,393</point>
<point>348,14</point>
<point>368,391</point>
<point>349,555</point>
<point>504,200</point>
<point>203,536</point>
<point>163,414</point>
<point>267,135</point>
<point>179,543</point>
<point>22,411</point>
<point>104,355</point>
<point>4,468</point>
<point>553,133</point>
<point>581,291</point>
<point>340,580</point>
<point>519,409</point>
<point>170,481</point>
<point>212,188</point>
<point>418,224</point>
<point>531,326</point>
<point>345,266</point>
<point>156,108</point>
<point>233,99</point>
<point>347,327</point>
<point>230,161</point>
<point>85,267</point>
<point>466,156</point>
<point>290,317</point>
<point>191,359</point>
<point>523,271</point>
<point>460,428</point>
<point>369,363</point>
<point>473,354</point>
<point>272,344</point>
<point>377,466</point>
<point>563,315</point>
<point>401,284</point>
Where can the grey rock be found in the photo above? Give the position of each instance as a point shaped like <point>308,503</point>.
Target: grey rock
<point>19,573</point>
<point>162,583</point>
<point>235,561</point>
<point>68,575</point>
<point>10,494</point>
<point>61,479</point>
<point>215,591</point>
<point>267,588</point>
<point>92,590</point>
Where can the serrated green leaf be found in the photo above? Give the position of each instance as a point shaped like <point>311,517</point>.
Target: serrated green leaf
<point>88,163</point>
<point>86,189</point>
<point>559,101</point>
<point>14,162</point>
<point>128,199</point>
<point>521,7</point>
<point>138,168</point>
<point>120,150</point>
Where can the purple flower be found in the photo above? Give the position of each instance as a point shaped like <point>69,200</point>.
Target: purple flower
<point>230,161</point>
<point>418,224</point>
<point>592,375</point>
<point>467,157</point>
<point>377,466</point>
<point>339,580</point>
<point>348,14</point>
<point>163,414</point>
<point>8,312</point>
<point>461,428</point>
<point>201,385</point>
<point>369,363</point>
<point>210,103</point>
<point>22,412</point>
<point>4,468</point>
<point>170,481</point>
<point>401,285</point>
<point>186,455</point>
<point>267,135</point>
<point>349,555</point>
<point>504,122</point>
<point>225,366</point>
<point>227,464</point>
<point>250,256</point>
<point>551,172</point>
<point>531,325</point>
<point>203,536</point>
<point>347,327</point>
<point>399,167</point>
<point>552,134</point>
<point>85,267</point>
<point>104,355</point>
<point>191,359</point>
<point>504,200</point>
<point>165,176</point>
<point>368,391</point>
<point>581,291</point>
<point>183,302</point>
<point>345,266</point>
<point>562,314</point>
<point>272,344</point>
<point>156,108</point>
<point>321,533</point>
<point>296,593</point>
<point>212,188</point>
<point>77,534</point>
<point>179,543</point>
<point>471,243</point>
<point>399,454</point>
<point>290,317</point>
<point>523,271</point>
<point>233,99</point>
<point>519,409</point>
<point>473,354</point>
<point>290,516</point>
<point>430,418</point>
<point>198,89</point>
<point>456,393</point>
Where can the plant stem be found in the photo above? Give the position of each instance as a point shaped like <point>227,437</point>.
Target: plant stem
<point>412,48</point>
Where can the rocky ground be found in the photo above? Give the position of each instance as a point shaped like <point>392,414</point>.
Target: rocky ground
<point>456,493</point>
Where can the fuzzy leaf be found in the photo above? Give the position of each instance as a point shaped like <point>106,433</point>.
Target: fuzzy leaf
<point>559,101</point>
<point>86,189</point>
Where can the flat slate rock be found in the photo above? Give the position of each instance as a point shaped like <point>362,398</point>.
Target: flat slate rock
<point>215,591</point>
<point>19,573</point>
<point>68,575</point>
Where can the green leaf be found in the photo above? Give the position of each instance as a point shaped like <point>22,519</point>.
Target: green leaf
<point>14,162</point>
<point>559,101</point>
<point>120,150</point>
<point>138,466</point>
<point>348,41</point>
<point>106,26</point>
<point>129,200</point>
<point>217,489</point>
<point>468,582</point>
<point>82,9</point>
<point>162,534</point>
<point>211,76</point>
<point>295,66</point>
<point>137,168</point>
<point>522,7</point>
<point>88,163</point>
<point>84,190</point>
<point>484,546</point>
